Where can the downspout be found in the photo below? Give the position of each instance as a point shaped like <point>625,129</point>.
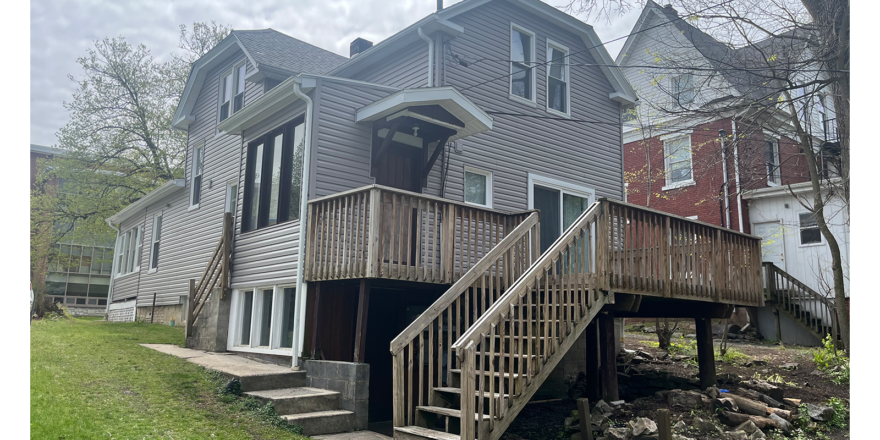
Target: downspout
<point>721,134</point>
<point>739,199</point>
<point>112,269</point>
<point>301,286</point>
<point>430,57</point>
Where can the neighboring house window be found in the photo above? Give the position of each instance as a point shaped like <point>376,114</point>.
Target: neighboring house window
<point>809,229</point>
<point>771,156</point>
<point>678,160</point>
<point>478,187</point>
<point>232,91</point>
<point>683,88</point>
<point>128,251</point>
<point>557,78</point>
<point>522,55</point>
<point>692,217</point>
<point>273,177</point>
<point>154,247</point>
<point>197,167</point>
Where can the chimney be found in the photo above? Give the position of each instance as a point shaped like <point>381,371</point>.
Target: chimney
<point>358,45</point>
<point>439,5</point>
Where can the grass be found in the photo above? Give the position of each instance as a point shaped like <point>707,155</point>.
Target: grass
<point>91,379</point>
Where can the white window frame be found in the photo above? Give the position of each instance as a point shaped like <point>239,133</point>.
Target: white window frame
<point>154,242</point>
<point>233,72</point>
<point>800,228</point>
<point>667,163</point>
<point>533,101</point>
<point>231,202</point>
<point>693,217</point>
<point>200,147</point>
<point>126,254</point>
<point>777,172</point>
<point>564,188</point>
<point>676,93</point>
<point>237,308</point>
<point>488,175</point>
<point>554,45</point>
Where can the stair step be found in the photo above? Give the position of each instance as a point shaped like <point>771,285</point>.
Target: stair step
<point>289,401</point>
<point>323,422</point>
<point>453,390</point>
<point>486,373</point>
<point>417,432</point>
<point>448,412</point>
<point>271,381</point>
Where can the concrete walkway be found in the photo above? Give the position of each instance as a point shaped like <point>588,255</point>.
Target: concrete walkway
<point>357,435</point>
<point>228,363</point>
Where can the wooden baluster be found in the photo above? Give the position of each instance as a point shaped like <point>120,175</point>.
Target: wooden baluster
<point>431,360</point>
<point>493,410</point>
<point>410,407</point>
<point>512,350</point>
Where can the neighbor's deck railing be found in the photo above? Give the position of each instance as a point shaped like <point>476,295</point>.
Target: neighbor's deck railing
<point>382,232</point>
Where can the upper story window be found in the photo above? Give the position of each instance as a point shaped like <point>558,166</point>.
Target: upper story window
<point>809,229</point>
<point>154,246</point>
<point>232,91</point>
<point>771,159</point>
<point>678,160</point>
<point>128,251</point>
<point>558,92</point>
<point>231,197</point>
<point>195,195</point>
<point>273,177</point>
<point>478,187</point>
<point>522,56</point>
<point>683,89</point>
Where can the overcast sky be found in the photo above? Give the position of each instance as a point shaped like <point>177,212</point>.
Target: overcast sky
<point>62,30</point>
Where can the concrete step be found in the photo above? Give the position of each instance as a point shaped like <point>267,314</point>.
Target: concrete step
<point>419,433</point>
<point>298,400</point>
<point>323,422</point>
<point>269,381</point>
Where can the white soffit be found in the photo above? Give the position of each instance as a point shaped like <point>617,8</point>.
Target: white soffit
<point>474,118</point>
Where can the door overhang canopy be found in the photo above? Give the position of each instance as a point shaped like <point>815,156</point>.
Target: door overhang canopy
<point>440,106</point>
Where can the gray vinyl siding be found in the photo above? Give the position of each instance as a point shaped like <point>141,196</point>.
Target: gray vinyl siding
<point>406,69</point>
<point>126,286</point>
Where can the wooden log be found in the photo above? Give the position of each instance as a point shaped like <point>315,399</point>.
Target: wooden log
<point>736,419</point>
<point>764,387</point>
<point>726,404</point>
<point>761,397</point>
<point>664,428</point>
<point>756,408</point>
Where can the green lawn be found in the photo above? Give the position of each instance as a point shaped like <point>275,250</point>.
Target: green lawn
<point>91,379</point>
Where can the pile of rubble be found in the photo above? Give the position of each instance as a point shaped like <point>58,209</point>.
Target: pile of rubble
<point>745,412</point>
<point>638,375</point>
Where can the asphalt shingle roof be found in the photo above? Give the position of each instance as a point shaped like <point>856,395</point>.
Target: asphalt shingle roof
<point>272,48</point>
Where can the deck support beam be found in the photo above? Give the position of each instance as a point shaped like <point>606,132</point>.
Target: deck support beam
<point>594,381</point>
<point>360,335</point>
<point>316,316</point>
<point>705,352</point>
<point>608,367</point>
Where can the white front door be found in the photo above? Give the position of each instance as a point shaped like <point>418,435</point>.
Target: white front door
<point>773,244</point>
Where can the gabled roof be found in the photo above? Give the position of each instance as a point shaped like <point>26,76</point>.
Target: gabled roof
<point>164,190</point>
<point>269,51</point>
<point>439,21</point>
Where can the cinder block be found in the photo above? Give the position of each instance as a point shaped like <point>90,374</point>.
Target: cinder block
<point>348,391</point>
<point>362,373</point>
<point>345,370</point>
<point>361,390</point>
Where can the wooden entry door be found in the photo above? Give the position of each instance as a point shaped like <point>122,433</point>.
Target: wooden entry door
<point>400,168</point>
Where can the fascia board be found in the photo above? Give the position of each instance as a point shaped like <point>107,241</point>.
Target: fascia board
<point>266,105</point>
<point>166,189</point>
<point>466,109</point>
<point>196,80</point>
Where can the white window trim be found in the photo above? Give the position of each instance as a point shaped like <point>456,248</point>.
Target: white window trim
<point>778,171</point>
<point>234,72</point>
<point>229,192</point>
<point>192,176</point>
<point>563,187</point>
<point>800,241</point>
<point>153,242</point>
<point>674,85</point>
<point>488,174</point>
<point>237,307</point>
<point>683,183</point>
<point>120,258</point>
<point>567,112</point>
<point>534,100</point>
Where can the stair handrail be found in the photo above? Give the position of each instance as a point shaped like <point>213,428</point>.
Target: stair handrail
<point>775,274</point>
<point>511,255</point>
<point>217,270</point>
<point>587,236</point>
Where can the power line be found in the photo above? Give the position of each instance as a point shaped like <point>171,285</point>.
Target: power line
<point>604,43</point>
<point>694,69</point>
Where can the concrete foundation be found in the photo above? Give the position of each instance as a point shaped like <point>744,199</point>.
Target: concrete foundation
<point>122,311</point>
<point>351,380</point>
<point>163,314</point>
<point>211,331</point>
<point>86,311</point>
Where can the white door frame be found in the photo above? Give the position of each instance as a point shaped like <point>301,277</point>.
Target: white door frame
<point>563,187</point>
<point>235,319</point>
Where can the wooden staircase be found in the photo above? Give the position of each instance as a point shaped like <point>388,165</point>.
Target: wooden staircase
<point>815,313</point>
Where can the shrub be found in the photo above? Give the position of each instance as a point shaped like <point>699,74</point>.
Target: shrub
<point>832,362</point>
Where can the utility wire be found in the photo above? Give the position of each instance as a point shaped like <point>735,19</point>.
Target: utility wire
<point>695,69</point>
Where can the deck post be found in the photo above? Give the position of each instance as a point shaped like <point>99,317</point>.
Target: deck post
<point>583,406</point>
<point>373,257</point>
<point>190,307</point>
<point>608,367</point>
<point>705,352</point>
<point>594,381</point>
<point>360,336</point>
<point>316,316</point>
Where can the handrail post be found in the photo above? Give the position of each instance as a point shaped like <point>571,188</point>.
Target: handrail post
<point>602,245</point>
<point>373,256</point>
<point>398,398</point>
<point>190,307</point>
<point>468,377</point>
<point>227,253</point>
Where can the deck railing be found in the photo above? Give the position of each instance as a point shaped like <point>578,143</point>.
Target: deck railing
<point>813,310</point>
<point>381,232</point>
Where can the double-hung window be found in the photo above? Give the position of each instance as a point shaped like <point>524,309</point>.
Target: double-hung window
<point>232,91</point>
<point>771,159</point>
<point>273,176</point>
<point>128,251</point>
<point>558,92</point>
<point>678,160</point>
<point>522,56</point>
<point>197,167</point>
<point>154,246</point>
<point>809,229</point>
<point>477,187</point>
<point>683,88</point>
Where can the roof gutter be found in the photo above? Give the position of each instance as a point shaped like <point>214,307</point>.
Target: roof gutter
<point>301,286</point>
<point>430,56</point>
